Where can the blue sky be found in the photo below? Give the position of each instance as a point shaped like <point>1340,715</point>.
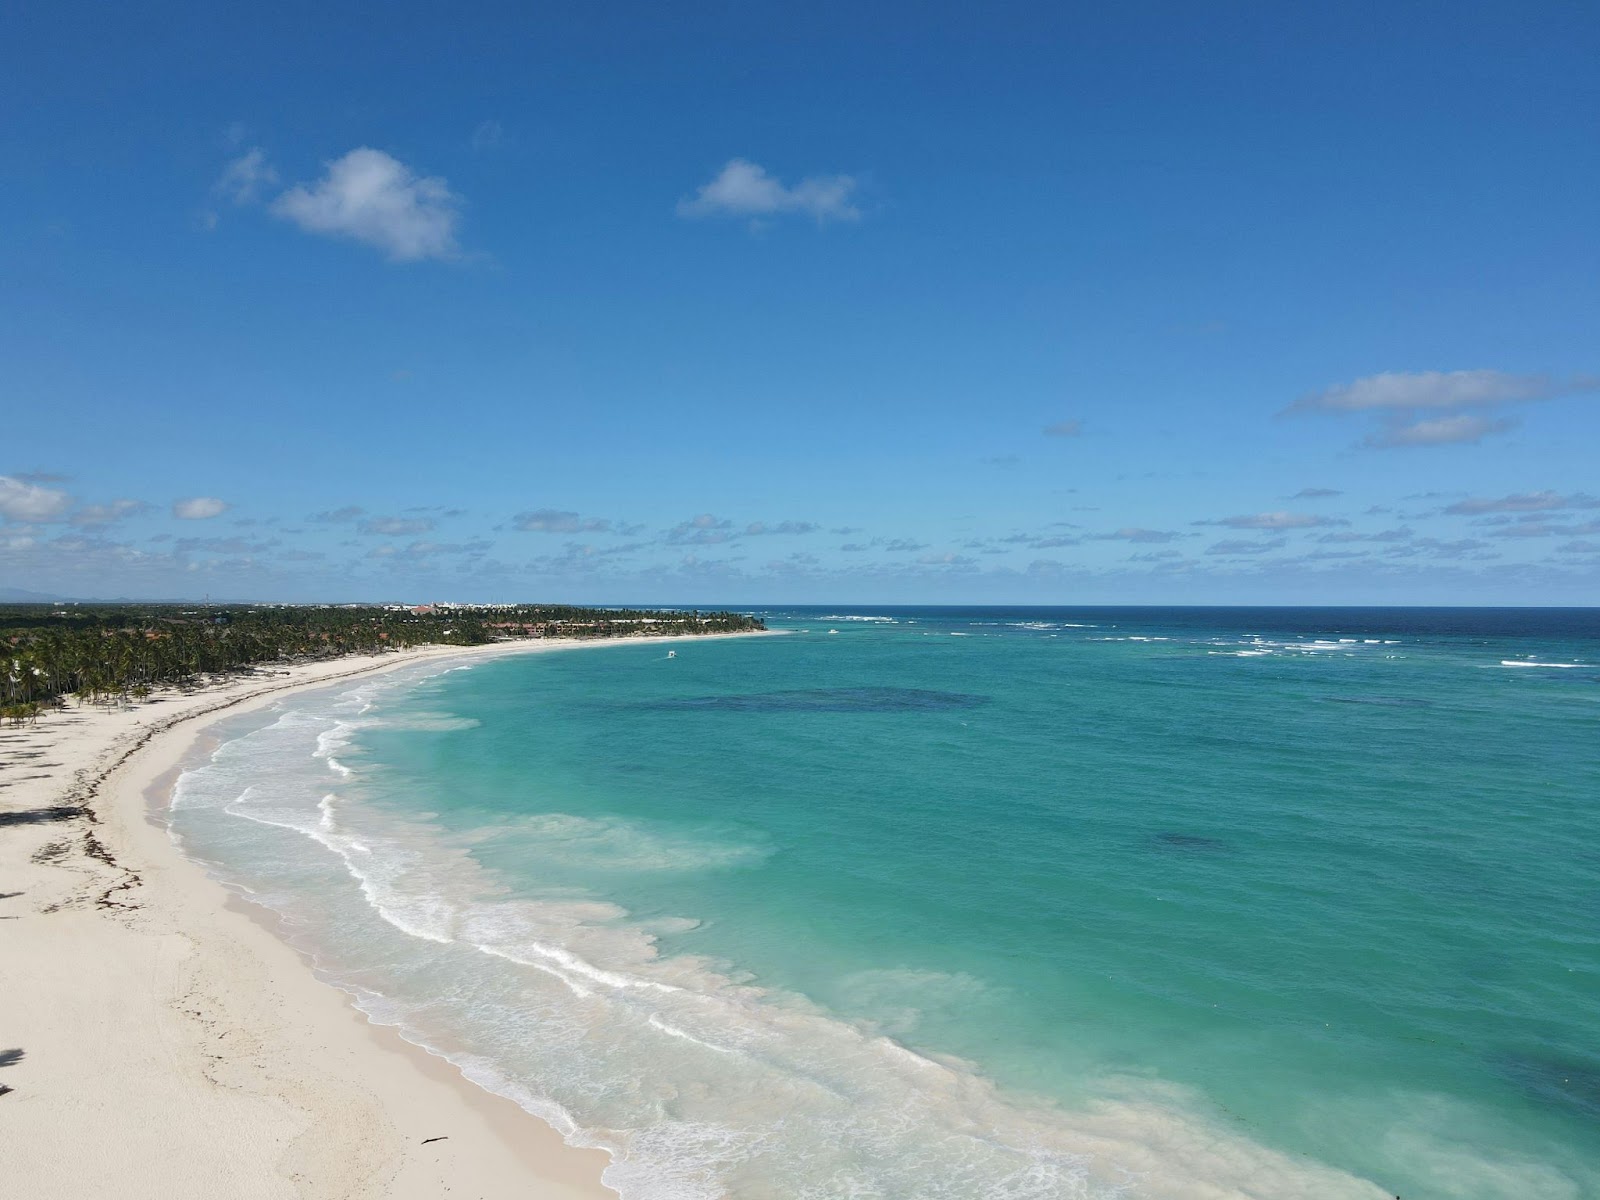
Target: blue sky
<point>750,303</point>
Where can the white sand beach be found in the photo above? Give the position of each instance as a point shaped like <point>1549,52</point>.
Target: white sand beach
<point>157,1039</point>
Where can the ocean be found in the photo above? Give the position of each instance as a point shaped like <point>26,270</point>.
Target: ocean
<point>927,903</point>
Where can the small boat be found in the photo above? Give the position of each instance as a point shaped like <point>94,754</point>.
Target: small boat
<point>672,654</point>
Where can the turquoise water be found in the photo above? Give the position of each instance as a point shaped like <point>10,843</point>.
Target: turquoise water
<point>1047,903</point>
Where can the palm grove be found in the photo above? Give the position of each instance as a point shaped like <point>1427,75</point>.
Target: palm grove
<point>117,653</point>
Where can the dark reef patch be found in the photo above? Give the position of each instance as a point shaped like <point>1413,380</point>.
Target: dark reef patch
<point>823,700</point>
<point>1570,1084</point>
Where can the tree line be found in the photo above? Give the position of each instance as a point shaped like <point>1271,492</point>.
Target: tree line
<point>111,653</point>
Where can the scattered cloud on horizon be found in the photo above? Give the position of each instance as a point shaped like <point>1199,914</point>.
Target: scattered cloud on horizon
<point>199,508</point>
<point>551,520</point>
<point>1241,546</point>
<point>1524,502</point>
<point>1402,534</point>
<point>1399,399</point>
<point>1532,527</point>
<point>758,528</point>
<point>1462,429</point>
<point>396,526</point>
<point>1409,391</point>
<point>744,189</point>
<point>705,529</point>
<point>1274,520</point>
<point>419,552</point>
<point>83,563</point>
<point>1536,530</point>
<point>1130,533</point>
<point>223,545</point>
<point>107,514</point>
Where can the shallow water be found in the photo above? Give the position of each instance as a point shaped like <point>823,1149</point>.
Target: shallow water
<point>1080,903</point>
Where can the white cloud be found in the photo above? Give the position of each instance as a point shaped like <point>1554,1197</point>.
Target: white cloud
<point>22,501</point>
<point>223,545</point>
<point>705,529</point>
<point>1524,502</point>
<point>243,179</point>
<point>374,198</point>
<point>551,520</point>
<point>1462,429</point>
<point>396,526</point>
<point>1238,546</point>
<point>1415,408</point>
<point>1401,534</point>
<point>756,528</point>
<point>1135,534</point>
<point>420,553</point>
<point>1274,520</point>
<point>1410,391</point>
<point>1436,408</point>
<point>199,508</point>
<point>1536,526</point>
<point>744,189</point>
<point>106,514</point>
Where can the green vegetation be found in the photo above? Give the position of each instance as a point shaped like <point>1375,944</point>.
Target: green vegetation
<point>110,653</point>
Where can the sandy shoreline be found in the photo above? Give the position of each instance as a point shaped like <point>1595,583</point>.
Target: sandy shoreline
<point>159,1041</point>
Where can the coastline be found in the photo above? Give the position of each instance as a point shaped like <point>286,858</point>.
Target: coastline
<point>155,1009</point>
